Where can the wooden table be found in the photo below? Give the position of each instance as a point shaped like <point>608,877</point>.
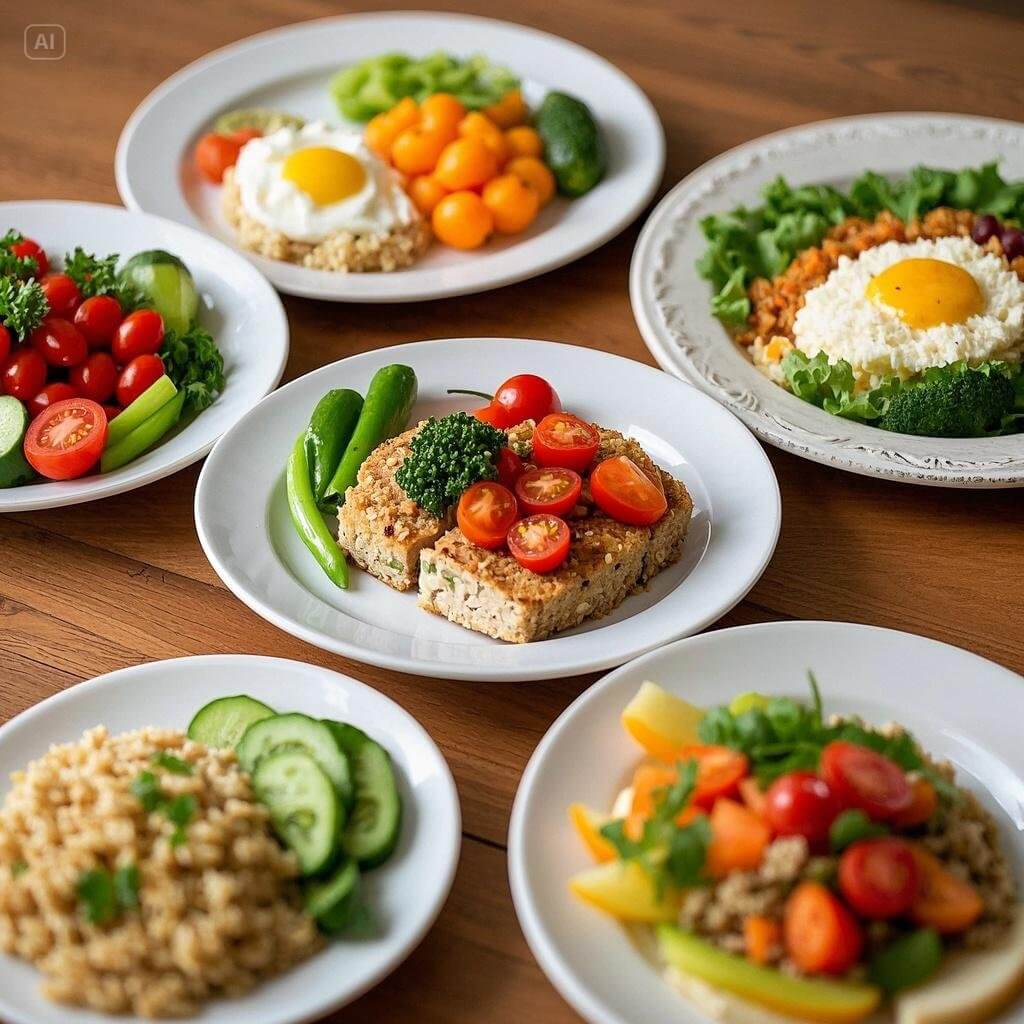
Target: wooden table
<point>96,587</point>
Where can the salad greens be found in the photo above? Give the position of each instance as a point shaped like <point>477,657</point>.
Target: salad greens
<point>195,365</point>
<point>98,276</point>
<point>22,305</point>
<point>11,264</point>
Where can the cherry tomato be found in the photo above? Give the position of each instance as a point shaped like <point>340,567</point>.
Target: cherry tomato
<point>801,804</point>
<point>61,293</point>
<point>879,877</point>
<point>5,343</point>
<point>923,806</point>
<point>491,414</point>
<point>943,901</point>
<point>549,490</point>
<point>622,490</point>
<point>24,373</point>
<point>137,376</point>
<point>525,397</point>
<point>111,411</point>
<point>510,467</point>
<point>66,440</point>
<point>539,543</point>
<point>139,334</point>
<point>866,779</point>
<point>215,153</point>
<point>244,135</point>
<point>719,770</point>
<point>96,378</point>
<point>98,318</point>
<point>55,392</point>
<point>27,247</point>
<point>820,934</point>
<point>564,440</point>
<point>485,513</point>
<point>59,342</point>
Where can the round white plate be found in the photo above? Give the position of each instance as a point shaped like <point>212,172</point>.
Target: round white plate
<point>406,894</point>
<point>237,307</point>
<point>244,527</point>
<point>672,305</point>
<point>958,706</point>
<point>289,69</point>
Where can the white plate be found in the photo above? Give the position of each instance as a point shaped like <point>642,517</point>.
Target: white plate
<point>406,894</point>
<point>289,69</point>
<point>237,307</point>
<point>672,304</point>
<point>958,706</point>
<point>244,527</point>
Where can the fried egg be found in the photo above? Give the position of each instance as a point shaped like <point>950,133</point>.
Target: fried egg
<point>903,307</point>
<point>316,181</point>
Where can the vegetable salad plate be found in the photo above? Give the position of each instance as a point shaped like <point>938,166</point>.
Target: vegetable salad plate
<point>129,344</point>
<point>853,291</point>
<point>607,509</point>
<point>397,157</point>
<point>813,785</point>
<point>150,706</point>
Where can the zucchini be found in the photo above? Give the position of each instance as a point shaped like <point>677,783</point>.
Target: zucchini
<point>389,401</point>
<point>166,284</point>
<point>14,469</point>
<point>223,721</point>
<point>330,429</point>
<point>573,146</point>
<point>334,902</point>
<point>303,805</point>
<point>374,822</point>
<point>297,732</point>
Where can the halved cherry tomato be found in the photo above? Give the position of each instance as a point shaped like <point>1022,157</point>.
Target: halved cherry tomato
<point>96,378</point>
<point>863,778</point>
<point>5,343</point>
<point>485,513</point>
<point>97,318</point>
<point>923,806</point>
<point>137,376</point>
<point>510,467</point>
<point>561,439</point>
<point>61,293</point>
<point>622,490</point>
<point>553,490</point>
<point>59,342</point>
<point>28,247</point>
<point>943,901</point>
<point>139,334</point>
<point>719,770</point>
<point>801,804</point>
<point>66,440</point>
<point>879,877</point>
<point>215,153</point>
<point>821,935</point>
<point>24,373</point>
<point>539,543</point>
<point>53,393</point>
<point>491,414</point>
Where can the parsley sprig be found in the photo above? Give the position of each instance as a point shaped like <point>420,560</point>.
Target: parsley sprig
<point>22,306</point>
<point>98,276</point>
<point>195,364</point>
<point>12,265</point>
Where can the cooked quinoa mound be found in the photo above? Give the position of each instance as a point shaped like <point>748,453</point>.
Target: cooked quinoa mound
<point>343,252</point>
<point>218,908</point>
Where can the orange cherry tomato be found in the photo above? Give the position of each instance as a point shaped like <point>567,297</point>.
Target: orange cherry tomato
<point>925,801</point>
<point>738,839</point>
<point>524,141</point>
<point>535,173</point>
<point>215,153</point>
<point>66,439</point>
<point>405,113</point>
<point>485,513</point>
<point>622,490</point>
<point>426,192</point>
<point>462,221</point>
<point>561,439</point>
<point>943,901</point>
<point>719,771</point>
<point>551,490</point>
<point>821,935</point>
<point>380,134</point>
<point>442,113</point>
<point>513,204</point>
<point>509,111</point>
<point>465,163</point>
<point>415,150</point>
<point>539,543</point>
<point>478,126</point>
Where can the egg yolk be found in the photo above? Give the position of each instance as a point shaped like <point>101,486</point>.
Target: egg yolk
<point>326,175</point>
<point>927,292</point>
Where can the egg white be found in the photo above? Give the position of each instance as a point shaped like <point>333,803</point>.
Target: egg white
<point>379,207</point>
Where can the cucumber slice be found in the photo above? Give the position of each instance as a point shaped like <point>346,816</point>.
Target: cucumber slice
<point>223,721</point>
<point>158,393</point>
<point>297,732</point>
<point>166,283</point>
<point>144,436</point>
<point>303,806</point>
<point>14,469</point>
<point>375,819</point>
<point>335,902</point>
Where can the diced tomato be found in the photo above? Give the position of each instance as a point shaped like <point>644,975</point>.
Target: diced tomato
<point>551,490</point>
<point>564,440</point>
<point>539,543</point>
<point>863,778</point>
<point>943,901</point>
<point>66,440</point>
<point>738,839</point>
<point>879,877</point>
<point>485,513</point>
<point>57,391</point>
<point>28,247</point>
<point>801,804</point>
<point>98,318</point>
<point>61,293</point>
<point>821,935</point>
<point>510,467</point>
<point>622,490</point>
<point>922,807</point>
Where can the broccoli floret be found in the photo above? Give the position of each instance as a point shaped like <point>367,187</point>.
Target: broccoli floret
<point>953,401</point>
<point>448,455</point>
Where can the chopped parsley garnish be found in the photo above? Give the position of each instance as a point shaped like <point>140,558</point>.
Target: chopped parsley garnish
<point>19,867</point>
<point>195,364</point>
<point>166,760</point>
<point>180,809</point>
<point>147,788</point>
<point>104,895</point>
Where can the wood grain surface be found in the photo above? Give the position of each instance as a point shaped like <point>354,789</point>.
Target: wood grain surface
<point>92,588</point>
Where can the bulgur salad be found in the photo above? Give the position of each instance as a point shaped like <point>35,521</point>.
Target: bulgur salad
<point>155,870</point>
<point>897,303</point>
<point>817,868</point>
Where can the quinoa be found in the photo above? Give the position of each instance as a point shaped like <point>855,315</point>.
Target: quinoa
<point>342,252</point>
<point>218,907</point>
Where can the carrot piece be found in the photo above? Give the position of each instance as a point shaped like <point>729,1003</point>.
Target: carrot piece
<point>925,800</point>
<point>648,780</point>
<point>754,797</point>
<point>761,935</point>
<point>588,826</point>
<point>944,902</point>
<point>738,839</point>
<point>821,935</point>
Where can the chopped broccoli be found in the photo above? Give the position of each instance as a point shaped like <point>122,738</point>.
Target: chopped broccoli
<point>953,401</point>
<point>449,455</point>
